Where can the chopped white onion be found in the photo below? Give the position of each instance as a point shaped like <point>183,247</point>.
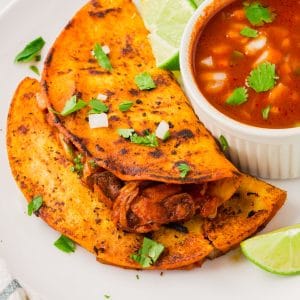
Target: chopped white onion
<point>255,45</point>
<point>208,61</point>
<point>98,120</point>
<point>92,53</point>
<point>106,49</point>
<point>162,130</point>
<point>40,101</point>
<point>102,97</point>
<point>263,57</point>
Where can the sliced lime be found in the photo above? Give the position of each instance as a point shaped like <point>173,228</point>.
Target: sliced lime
<point>276,252</point>
<point>166,21</point>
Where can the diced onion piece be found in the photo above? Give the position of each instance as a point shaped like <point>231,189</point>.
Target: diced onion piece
<point>263,57</point>
<point>92,53</point>
<point>106,49</point>
<point>278,93</point>
<point>98,120</point>
<point>221,49</point>
<point>255,45</point>
<point>215,86</point>
<point>162,130</point>
<point>102,97</point>
<point>216,76</point>
<point>271,55</point>
<point>208,61</point>
<point>41,103</point>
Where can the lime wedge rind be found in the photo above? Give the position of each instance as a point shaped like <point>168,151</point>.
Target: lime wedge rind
<point>277,252</point>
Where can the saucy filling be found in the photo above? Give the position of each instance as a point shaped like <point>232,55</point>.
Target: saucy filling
<point>247,63</point>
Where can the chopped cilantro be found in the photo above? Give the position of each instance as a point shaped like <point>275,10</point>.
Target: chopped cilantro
<point>137,276</point>
<point>148,140</point>
<point>97,107</point>
<point>144,81</point>
<point>73,105</point>
<point>35,70</point>
<point>184,170</point>
<point>238,97</point>
<point>31,51</point>
<point>125,133</point>
<point>102,58</point>
<point>34,205</point>
<point>223,142</point>
<point>148,253</point>
<point>107,296</point>
<point>124,106</point>
<point>249,32</point>
<point>257,14</point>
<point>65,244</point>
<point>93,164</point>
<point>263,78</point>
<point>266,112</point>
<point>78,165</point>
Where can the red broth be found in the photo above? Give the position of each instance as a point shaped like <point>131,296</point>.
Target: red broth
<point>224,59</point>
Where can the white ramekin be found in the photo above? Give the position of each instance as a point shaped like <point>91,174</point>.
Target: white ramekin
<point>266,153</point>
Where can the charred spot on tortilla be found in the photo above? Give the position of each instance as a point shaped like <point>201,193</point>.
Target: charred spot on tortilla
<point>103,13</point>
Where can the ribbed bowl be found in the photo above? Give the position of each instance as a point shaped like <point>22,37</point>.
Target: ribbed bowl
<point>266,153</point>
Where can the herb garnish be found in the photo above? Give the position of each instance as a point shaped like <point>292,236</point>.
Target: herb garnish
<point>35,70</point>
<point>144,81</point>
<point>149,139</point>
<point>184,170</point>
<point>31,51</point>
<point>107,296</point>
<point>97,107</point>
<point>238,97</point>
<point>148,253</point>
<point>249,32</point>
<point>34,205</point>
<point>102,58</point>
<point>124,106</point>
<point>265,112</point>
<point>72,105</point>
<point>257,14</point>
<point>65,244</point>
<point>223,142</point>
<point>78,165</point>
<point>263,78</point>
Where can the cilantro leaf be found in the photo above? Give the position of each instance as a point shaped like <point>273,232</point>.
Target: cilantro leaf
<point>78,165</point>
<point>102,58</point>
<point>125,133</point>
<point>124,106</point>
<point>148,140</point>
<point>149,253</point>
<point>184,170</point>
<point>263,78</point>
<point>265,112</point>
<point>144,81</point>
<point>34,205</point>
<point>31,50</point>
<point>249,32</point>
<point>35,70</point>
<point>223,142</point>
<point>72,105</point>
<point>97,107</point>
<point>257,14</point>
<point>65,244</point>
<point>238,97</point>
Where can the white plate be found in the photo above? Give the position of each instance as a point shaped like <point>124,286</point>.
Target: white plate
<point>26,243</point>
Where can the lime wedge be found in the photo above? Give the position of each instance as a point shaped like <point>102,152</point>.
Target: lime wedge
<point>276,252</point>
<point>198,2</point>
<point>166,21</point>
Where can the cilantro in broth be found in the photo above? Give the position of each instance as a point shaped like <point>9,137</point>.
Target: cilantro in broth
<point>263,78</point>
<point>34,205</point>
<point>149,253</point>
<point>65,244</point>
<point>144,81</point>
<point>238,96</point>
<point>31,50</point>
<point>265,112</point>
<point>257,14</point>
<point>249,32</point>
<point>102,58</point>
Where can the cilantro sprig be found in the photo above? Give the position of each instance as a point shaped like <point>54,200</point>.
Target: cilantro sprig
<point>148,139</point>
<point>265,112</point>
<point>238,96</point>
<point>34,205</point>
<point>263,78</point>
<point>97,107</point>
<point>249,32</point>
<point>149,253</point>
<point>257,14</point>
<point>102,58</point>
<point>31,50</point>
<point>78,165</point>
<point>144,81</point>
<point>65,244</point>
<point>184,169</point>
<point>72,105</point>
<point>125,106</point>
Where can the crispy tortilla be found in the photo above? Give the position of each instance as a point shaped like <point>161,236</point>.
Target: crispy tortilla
<point>40,168</point>
<point>70,69</point>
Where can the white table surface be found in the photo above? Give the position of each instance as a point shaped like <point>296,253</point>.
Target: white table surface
<point>4,3</point>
